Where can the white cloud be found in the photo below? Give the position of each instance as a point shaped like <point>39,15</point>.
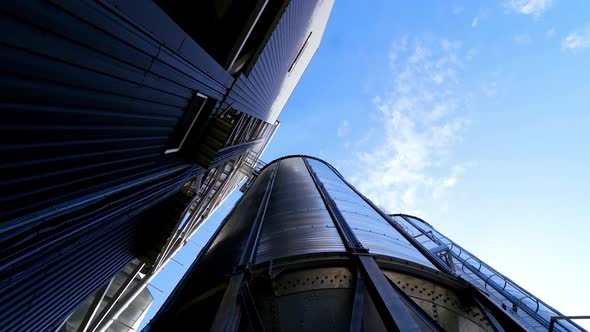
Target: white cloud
<point>397,47</point>
<point>490,88</point>
<point>471,53</point>
<point>528,7</point>
<point>551,32</point>
<point>522,38</point>
<point>449,182</point>
<point>577,40</point>
<point>474,22</point>
<point>343,129</point>
<point>457,9</point>
<point>407,166</point>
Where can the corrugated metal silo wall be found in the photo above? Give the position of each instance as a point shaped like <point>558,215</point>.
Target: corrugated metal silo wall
<point>372,230</point>
<point>89,99</point>
<point>255,93</point>
<point>207,277</point>
<point>296,220</point>
<point>295,224</point>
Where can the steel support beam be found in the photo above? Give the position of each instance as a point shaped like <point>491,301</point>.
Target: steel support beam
<point>250,308</point>
<point>225,319</point>
<point>358,308</point>
<point>106,313</point>
<point>85,324</point>
<point>195,263</point>
<point>228,308</point>
<point>417,312</point>
<point>490,317</point>
<point>431,257</point>
<point>389,304</point>
<point>352,244</point>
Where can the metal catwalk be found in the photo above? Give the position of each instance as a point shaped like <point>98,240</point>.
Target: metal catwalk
<point>304,250</point>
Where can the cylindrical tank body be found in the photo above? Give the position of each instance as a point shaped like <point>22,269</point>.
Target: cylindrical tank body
<point>304,250</point>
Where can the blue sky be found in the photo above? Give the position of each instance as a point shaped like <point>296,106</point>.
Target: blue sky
<point>473,115</point>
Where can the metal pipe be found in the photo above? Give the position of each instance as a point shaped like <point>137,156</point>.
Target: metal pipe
<point>105,312</point>
<point>85,324</point>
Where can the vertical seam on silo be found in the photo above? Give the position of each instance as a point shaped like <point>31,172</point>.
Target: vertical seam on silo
<point>351,242</point>
<point>435,261</point>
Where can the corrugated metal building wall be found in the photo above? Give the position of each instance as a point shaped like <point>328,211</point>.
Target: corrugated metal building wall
<point>256,92</point>
<point>92,95</point>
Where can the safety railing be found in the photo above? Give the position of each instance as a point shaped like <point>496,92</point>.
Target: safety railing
<point>497,285</point>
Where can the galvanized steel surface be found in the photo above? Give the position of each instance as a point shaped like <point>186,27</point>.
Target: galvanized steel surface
<point>297,221</point>
<point>42,300</point>
<point>297,224</point>
<point>445,306</point>
<point>265,90</point>
<point>374,232</point>
<point>91,93</point>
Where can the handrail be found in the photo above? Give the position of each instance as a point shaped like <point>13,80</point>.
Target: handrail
<point>516,301</point>
<point>555,318</point>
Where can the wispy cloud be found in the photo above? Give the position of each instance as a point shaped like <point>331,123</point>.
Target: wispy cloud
<point>550,32</point>
<point>528,7</point>
<point>577,40</point>
<point>522,38</point>
<point>343,129</point>
<point>422,117</point>
<point>490,88</point>
<point>457,9</point>
<point>482,15</point>
<point>471,53</point>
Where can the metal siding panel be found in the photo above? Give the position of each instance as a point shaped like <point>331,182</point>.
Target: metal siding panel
<point>91,28</point>
<point>296,221</point>
<point>74,76</point>
<point>375,233</point>
<point>180,72</point>
<point>18,89</point>
<point>68,282</point>
<point>271,70</point>
<point>94,92</point>
<point>313,234</point>
<point>258,84</point>
<point>84,93</point>
<point>48,261</point>
<point>153,19</point>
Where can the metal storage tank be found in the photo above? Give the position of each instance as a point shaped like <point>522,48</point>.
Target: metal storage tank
<point>304,250</point>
